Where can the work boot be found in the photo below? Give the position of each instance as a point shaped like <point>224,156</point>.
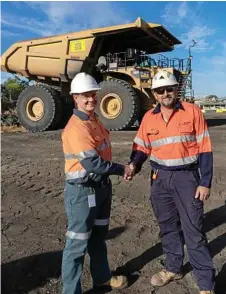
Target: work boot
<point>207,292</point>
<point>164,277</point>
<point>116,282</point>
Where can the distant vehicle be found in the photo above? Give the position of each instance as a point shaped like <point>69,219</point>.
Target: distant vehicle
<point>209,106</point>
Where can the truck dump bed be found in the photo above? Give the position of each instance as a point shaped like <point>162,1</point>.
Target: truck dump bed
<point>60,57</point>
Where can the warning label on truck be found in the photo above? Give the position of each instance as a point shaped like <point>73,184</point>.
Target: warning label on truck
<point>77,46</point>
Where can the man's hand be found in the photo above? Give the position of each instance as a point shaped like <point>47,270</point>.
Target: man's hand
<point>202,193</point>
<point>129,171</point>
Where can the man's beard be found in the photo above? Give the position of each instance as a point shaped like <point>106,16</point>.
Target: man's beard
<point>168,103</point>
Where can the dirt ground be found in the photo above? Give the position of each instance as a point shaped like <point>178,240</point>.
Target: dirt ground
<point>34,223</point>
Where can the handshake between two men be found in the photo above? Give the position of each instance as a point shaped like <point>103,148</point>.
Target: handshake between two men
<point>130,170</point>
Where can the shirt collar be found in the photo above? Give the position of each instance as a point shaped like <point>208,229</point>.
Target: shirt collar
<point>82,115</point>
<point>177,106</point>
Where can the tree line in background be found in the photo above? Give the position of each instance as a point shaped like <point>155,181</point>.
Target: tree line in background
<point>10,90</point>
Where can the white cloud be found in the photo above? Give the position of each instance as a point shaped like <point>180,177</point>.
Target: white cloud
<point>198,34</point>
<point>9,33</point>
<point>209,82</point>
<point>26,24</point>
<point>219,61</point>
<point>174,13</point>
<point>212,79</point>
<point>63,17</point>
<point>185,15</point>
<point>182,10</point>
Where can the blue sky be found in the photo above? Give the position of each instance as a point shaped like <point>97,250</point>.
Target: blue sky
<point>202,21</point>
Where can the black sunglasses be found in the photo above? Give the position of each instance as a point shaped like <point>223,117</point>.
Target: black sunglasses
<point>162,90</point>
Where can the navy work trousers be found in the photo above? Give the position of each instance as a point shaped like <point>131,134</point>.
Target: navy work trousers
<point>180,218</point>
<point>88,212</point>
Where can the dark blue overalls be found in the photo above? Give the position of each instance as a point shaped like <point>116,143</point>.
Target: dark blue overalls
<point>180,218</point>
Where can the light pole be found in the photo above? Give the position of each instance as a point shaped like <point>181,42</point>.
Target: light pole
<point>190,59</point>
<point>192,45</point>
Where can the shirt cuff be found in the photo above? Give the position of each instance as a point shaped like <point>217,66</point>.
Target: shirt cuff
<point>117,169</point>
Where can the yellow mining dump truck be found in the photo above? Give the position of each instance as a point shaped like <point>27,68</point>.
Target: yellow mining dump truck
<point>118,57</point>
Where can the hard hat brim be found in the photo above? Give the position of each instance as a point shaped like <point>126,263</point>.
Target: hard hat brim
<point>169,85</point>
<point>89,90</point>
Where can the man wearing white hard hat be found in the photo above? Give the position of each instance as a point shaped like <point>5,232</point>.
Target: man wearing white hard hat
<point>175,136</point>
<point>88,191</point>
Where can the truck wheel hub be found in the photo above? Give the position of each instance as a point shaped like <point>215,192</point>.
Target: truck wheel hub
<point>111,106</point>
<point>35,109</point>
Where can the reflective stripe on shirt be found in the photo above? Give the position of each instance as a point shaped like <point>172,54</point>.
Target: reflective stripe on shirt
<point>202,136</point>
<point>172,140</point>
<point>75,174</point>
<point>175,162</point>
<point>81,155</point>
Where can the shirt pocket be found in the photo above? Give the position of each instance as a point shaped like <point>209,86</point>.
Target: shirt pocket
<point>187,133</point>
<point>153,137</point>
<point>186,128</point>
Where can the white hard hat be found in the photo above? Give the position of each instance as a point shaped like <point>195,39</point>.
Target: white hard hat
<point>163,78</point>
<point>82,83</point>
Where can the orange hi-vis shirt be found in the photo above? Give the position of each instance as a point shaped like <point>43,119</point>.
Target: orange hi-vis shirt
<point>180,143</point>
<point>87,150</point>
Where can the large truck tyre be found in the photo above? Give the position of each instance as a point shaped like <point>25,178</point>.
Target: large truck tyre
<point>39,108</point>
<point>118,105</point>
